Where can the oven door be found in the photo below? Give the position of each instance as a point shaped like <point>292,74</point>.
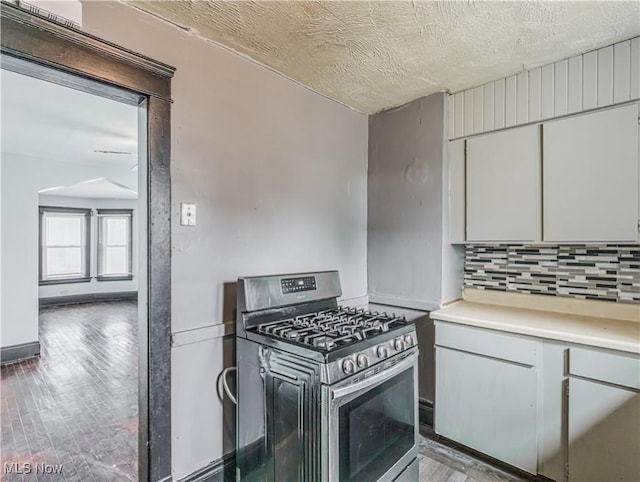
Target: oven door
<point>372,429</point>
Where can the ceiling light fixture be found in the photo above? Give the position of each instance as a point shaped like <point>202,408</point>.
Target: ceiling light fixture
<point>115,152</point>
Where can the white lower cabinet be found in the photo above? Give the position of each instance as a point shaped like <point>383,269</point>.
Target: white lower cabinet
<point>603,416</point>
<point>565,411</point>
<point>486,392</point>
<point>604,440</point>
<point>488,405</point>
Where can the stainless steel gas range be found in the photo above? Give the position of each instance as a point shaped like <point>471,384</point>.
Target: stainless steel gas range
<point>325,393</point>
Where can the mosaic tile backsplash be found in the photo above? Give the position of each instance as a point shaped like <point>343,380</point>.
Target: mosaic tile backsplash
<point>603,272</point>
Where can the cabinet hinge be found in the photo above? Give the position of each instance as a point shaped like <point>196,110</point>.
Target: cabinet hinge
<point>566,389</point>
<point>566,472</point>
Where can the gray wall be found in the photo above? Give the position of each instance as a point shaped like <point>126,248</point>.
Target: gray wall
<point>410,261</point>
<point>279,177</point>
<point>405,204</point>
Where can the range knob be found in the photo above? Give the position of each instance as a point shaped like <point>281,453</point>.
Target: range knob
<point>398,344</point>
<point>408,340</point>
<point>348,366</point>
<point>362,360</point>
<point>382,352</point>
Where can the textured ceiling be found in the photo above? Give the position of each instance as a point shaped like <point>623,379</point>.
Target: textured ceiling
<point>376,55</point>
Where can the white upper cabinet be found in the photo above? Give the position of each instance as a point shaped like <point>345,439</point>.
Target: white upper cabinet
<point>456,192</point>
<point>503,186</point>
<point>590,177</point>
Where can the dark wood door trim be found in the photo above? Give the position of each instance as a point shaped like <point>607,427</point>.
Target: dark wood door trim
<point>32,37</point>
<point>36,46</point>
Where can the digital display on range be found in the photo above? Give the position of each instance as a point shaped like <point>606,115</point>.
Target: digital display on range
<point>296,285</point>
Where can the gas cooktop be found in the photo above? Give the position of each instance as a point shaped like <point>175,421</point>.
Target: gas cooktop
<point>332,328</point>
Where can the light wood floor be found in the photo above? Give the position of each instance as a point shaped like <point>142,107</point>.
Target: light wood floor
<point>439,463</point>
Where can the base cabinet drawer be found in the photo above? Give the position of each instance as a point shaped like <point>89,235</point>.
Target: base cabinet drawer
<point>504,346</point>
<point>606,366</point>
<point>488,405</point>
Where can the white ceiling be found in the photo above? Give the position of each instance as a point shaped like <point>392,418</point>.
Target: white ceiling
<point>101,188</point>
<point>48,121</point>
<point>376,55</point>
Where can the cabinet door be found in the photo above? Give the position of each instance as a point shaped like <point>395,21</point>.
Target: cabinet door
<point>488,405</point>
<point>590,180</point>
<point>604,428</point>
<point>503,186</point>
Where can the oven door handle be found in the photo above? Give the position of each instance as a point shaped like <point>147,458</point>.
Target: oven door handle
<point>375,379</point>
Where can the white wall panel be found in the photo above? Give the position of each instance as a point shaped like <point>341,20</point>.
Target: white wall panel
<point>488,107</point>
<point>498,103</point>
<point>622,72</point>
<point>590,80</point>
<point>458,113</point>
<point>510,103</point>
<point>605,76</point>
<point>575,85</point>
<point>561,82</point>
<point>535,86</point>
<point>546,91</point>
<point>478,104</point>
<point>451,113</point>
<point>600,78</point>
<point>468,110</point>
<point>522,87</point>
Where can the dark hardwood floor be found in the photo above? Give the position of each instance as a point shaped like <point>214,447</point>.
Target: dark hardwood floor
<point>76,405</point>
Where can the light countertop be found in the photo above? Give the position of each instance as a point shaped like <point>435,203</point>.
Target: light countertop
<point>604,332</point>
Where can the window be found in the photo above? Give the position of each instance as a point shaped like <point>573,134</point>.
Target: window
<point>114,244</point>
<point>64,245</point>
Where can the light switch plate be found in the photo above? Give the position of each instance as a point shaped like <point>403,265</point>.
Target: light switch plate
<point>187,214</point>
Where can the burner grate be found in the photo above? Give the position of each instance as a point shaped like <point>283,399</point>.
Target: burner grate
<point>332,328</point>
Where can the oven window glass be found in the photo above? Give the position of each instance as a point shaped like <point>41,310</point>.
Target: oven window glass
<point>377,429</point>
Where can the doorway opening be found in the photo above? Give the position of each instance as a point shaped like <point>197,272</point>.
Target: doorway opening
<point>37,46</point>
<point>73,210</point>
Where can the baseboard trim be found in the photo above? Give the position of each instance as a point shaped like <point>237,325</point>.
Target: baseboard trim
<point>357,301</point>
<point>13,353</point>
<point>221,470</point>
<point>410,303</point>
<point>425,413</point>
<point>88,298</point>
<point>429,433</point>
<point>197,335</point>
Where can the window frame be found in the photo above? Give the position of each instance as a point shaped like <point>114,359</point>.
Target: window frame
<point>102,213</point>
<point>87,246</point>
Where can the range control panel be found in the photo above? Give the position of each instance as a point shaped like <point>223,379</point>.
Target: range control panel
<point>295,285</point>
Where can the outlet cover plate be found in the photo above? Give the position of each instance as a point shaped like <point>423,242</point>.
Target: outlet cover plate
<point>187,214</point>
